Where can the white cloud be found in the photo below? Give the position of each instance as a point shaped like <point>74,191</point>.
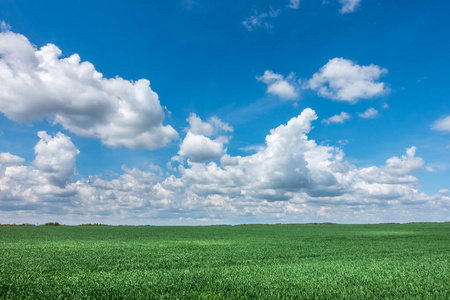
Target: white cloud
<point>219,125</point>
<point>282,89</point>
<point>349,6</point>
<point>397,170</point>
<point>369,113</point>
<point>197,145</point>
<point>294,4</point>
<point>344,80</point>
<point>280,86</point>
<point>39,83</point>
<point>290,179</point>
<point>47,180</point>
<point>197,126</point>
<point>213,126</point>
<point>4,27</point>
<point>7,159</point>
<point>337,118</point>
<point>200,148</point>
<point>252,148</point>
<point>444,191</point>
<point>442,124</point>
<point>292,166</point>
<point>257,20</point>
<point>55,157</point>
<point>430,169</point>
<point>227,160</point>
<point>292,174</point>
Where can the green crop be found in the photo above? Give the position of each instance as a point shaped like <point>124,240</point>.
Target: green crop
<point>408,261</point>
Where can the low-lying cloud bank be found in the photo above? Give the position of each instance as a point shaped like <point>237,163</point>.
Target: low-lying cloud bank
<point>291,179</point>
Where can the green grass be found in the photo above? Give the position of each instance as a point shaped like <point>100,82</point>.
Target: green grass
<point>409,261</point>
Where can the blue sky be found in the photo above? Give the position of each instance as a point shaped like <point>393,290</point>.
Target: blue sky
<point>203,112</point>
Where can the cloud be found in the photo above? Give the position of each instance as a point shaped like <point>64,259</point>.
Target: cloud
<point>442,124</point>
<point>55,158</point>
<point>337,118</point>
<point>252,148</point>
<point>293,175</point>
<point>197,126</point>
<point>227,160</point>
<point>197,145</point>
<point>213,126</point>
<point>344,80</point>
<point>257,20</point>
<point>7,159</point>
<point>369,113</point>
<point>39,83</point>
<point>219,125</point>
<point>397,170</point>
<point>280,86</point>
<point>45,188</point>
<point>290,179</point>
<point>4,27</point>
<point>292,166</point>
<point>430,169</point>
<point>294,4</point>
<point>349,6</point>
<point>48,179</point>
<point>200,148</point>
<point>444,191</point>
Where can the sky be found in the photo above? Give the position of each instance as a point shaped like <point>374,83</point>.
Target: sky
<point>195,112</point>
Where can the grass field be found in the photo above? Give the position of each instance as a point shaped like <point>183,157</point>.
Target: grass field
<point>410,261</point>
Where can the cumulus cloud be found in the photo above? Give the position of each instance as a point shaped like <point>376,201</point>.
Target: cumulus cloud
<point>197,126</point>
<point>337,118</point>
<point>200,148</point>
<point>290,179</point>
<point>293,166</point>
<point>442,124</point>
<point>197,145</point>
<point>349,6</point>
<point>55,158</point>
<point>227,160</point>
<point>7,159</point>
<point>369,113</point>
<point>397,170</point>
<point>294,4</point>
<point>213,126</point>
<point>278,85</point>
<point>48,179</point>
<point>294,175</point>
<point>46,188</point>
<point>344,80</point>
<point>40,83</point>
<point>258,20</point>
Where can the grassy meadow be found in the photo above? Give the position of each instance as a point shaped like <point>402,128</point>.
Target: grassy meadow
<point>409,261</point>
